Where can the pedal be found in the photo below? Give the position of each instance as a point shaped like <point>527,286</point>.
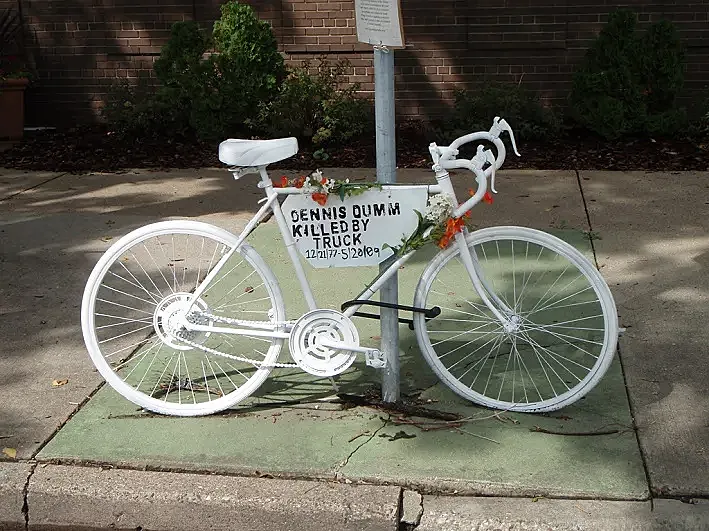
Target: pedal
<point>375,358</point>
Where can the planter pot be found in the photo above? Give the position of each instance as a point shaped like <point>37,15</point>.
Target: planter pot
<point>12,107</point>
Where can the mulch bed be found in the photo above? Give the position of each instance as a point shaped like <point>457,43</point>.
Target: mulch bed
<point>95,148</point>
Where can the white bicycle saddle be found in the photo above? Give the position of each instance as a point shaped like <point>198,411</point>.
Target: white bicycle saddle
<point>244,153</point>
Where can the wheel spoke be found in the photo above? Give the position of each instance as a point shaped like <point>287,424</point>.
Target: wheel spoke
<point>460,334</point>
<point>158,267</point>
<point>134,319</point>
<point>550,351</point>
<point>124,323</point>
<point>556,356</point>
<point>140,265</point>
<point>137,283</point>
<point>125,334</point>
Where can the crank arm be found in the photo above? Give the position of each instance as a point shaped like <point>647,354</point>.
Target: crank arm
<point>339,345</point>
<point>373,357</point>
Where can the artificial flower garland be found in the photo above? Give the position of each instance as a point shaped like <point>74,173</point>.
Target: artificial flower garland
<point>319,187</point>
<point>443,227</point>
<point>437,216</point>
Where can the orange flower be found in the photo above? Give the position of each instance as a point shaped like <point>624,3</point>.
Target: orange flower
<point>282,183</point>
<point>323,180</point>
<point>487,198</point>
<point>319,198</point>
<point>300,182</point>
<point>453,226</point>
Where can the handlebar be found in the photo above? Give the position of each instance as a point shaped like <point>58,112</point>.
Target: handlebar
<point>443,159</point>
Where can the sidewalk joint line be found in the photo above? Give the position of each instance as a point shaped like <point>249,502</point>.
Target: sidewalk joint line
<point>33,187</point>
<point>588,219</point>
<point>25,492</point>
<point>643,457</point>
<point>71,415</point>
<point>415,486</point>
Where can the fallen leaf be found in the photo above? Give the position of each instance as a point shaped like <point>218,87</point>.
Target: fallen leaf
<point>59,383</point>
<point>106,238</point>
<point>249,289</point>
<point>10,452</point>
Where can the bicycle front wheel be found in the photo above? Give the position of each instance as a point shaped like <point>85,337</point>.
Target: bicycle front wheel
<point>136,297</point>
<point>562,327</point>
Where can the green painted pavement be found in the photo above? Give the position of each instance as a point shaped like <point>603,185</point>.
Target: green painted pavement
<point>501,454</point>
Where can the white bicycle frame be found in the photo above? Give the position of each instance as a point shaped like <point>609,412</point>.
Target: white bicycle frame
<point>444,160</point>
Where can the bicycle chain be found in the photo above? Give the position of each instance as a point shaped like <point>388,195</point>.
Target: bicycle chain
<point>253,362</point>
<point>227,320</point>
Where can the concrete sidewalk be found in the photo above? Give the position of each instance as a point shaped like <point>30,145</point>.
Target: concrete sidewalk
<point>652,249</point>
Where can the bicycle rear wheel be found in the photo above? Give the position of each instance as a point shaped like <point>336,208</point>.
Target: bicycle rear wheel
<point>563,331</point>
<point>139,291</point>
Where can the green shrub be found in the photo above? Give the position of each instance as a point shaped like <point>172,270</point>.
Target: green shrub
<point>628,83</point>
<point>314,108</point>
<point>245,72</point>
<point>212,95</point>
<point>165,110</point>
<point>180,65</point>
<point>474,110</point>
<point>142,111</point>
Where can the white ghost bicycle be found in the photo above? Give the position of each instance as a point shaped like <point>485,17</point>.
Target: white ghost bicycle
<point>184,318</point>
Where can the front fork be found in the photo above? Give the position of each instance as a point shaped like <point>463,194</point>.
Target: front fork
<point>507,316</point>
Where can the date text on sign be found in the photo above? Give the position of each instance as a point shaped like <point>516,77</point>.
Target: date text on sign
<point>353,232</point>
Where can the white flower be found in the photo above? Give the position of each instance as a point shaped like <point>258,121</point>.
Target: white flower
<point>439,208</point>
<point>317,174</point>
<point>328,185</point>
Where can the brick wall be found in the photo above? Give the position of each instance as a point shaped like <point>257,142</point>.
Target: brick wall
<point>82,46</point>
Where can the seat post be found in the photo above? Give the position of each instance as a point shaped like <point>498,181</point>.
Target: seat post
<point>265,178</point>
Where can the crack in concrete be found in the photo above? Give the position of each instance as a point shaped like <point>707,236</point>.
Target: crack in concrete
<point>25,492</point>
<point>343,464</point>
<point>408,520</point>
<point>420,515</point>
<point>410,513</point>
<point>32,187</point>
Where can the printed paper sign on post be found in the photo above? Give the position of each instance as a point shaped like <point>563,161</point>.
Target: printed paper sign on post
<point>353,232</point>
<point>378,22</point>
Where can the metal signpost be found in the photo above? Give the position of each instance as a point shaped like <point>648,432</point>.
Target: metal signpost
<point>379,23</point>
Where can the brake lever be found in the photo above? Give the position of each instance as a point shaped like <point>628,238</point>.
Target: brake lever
<point>500,125</point>
<point>490,157</point>
<point>483,156</point>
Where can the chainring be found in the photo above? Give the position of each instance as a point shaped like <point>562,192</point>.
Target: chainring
<point>306,346</point>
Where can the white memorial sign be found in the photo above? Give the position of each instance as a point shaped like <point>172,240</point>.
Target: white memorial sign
<point>379,22</point>
<point>353,232</point>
